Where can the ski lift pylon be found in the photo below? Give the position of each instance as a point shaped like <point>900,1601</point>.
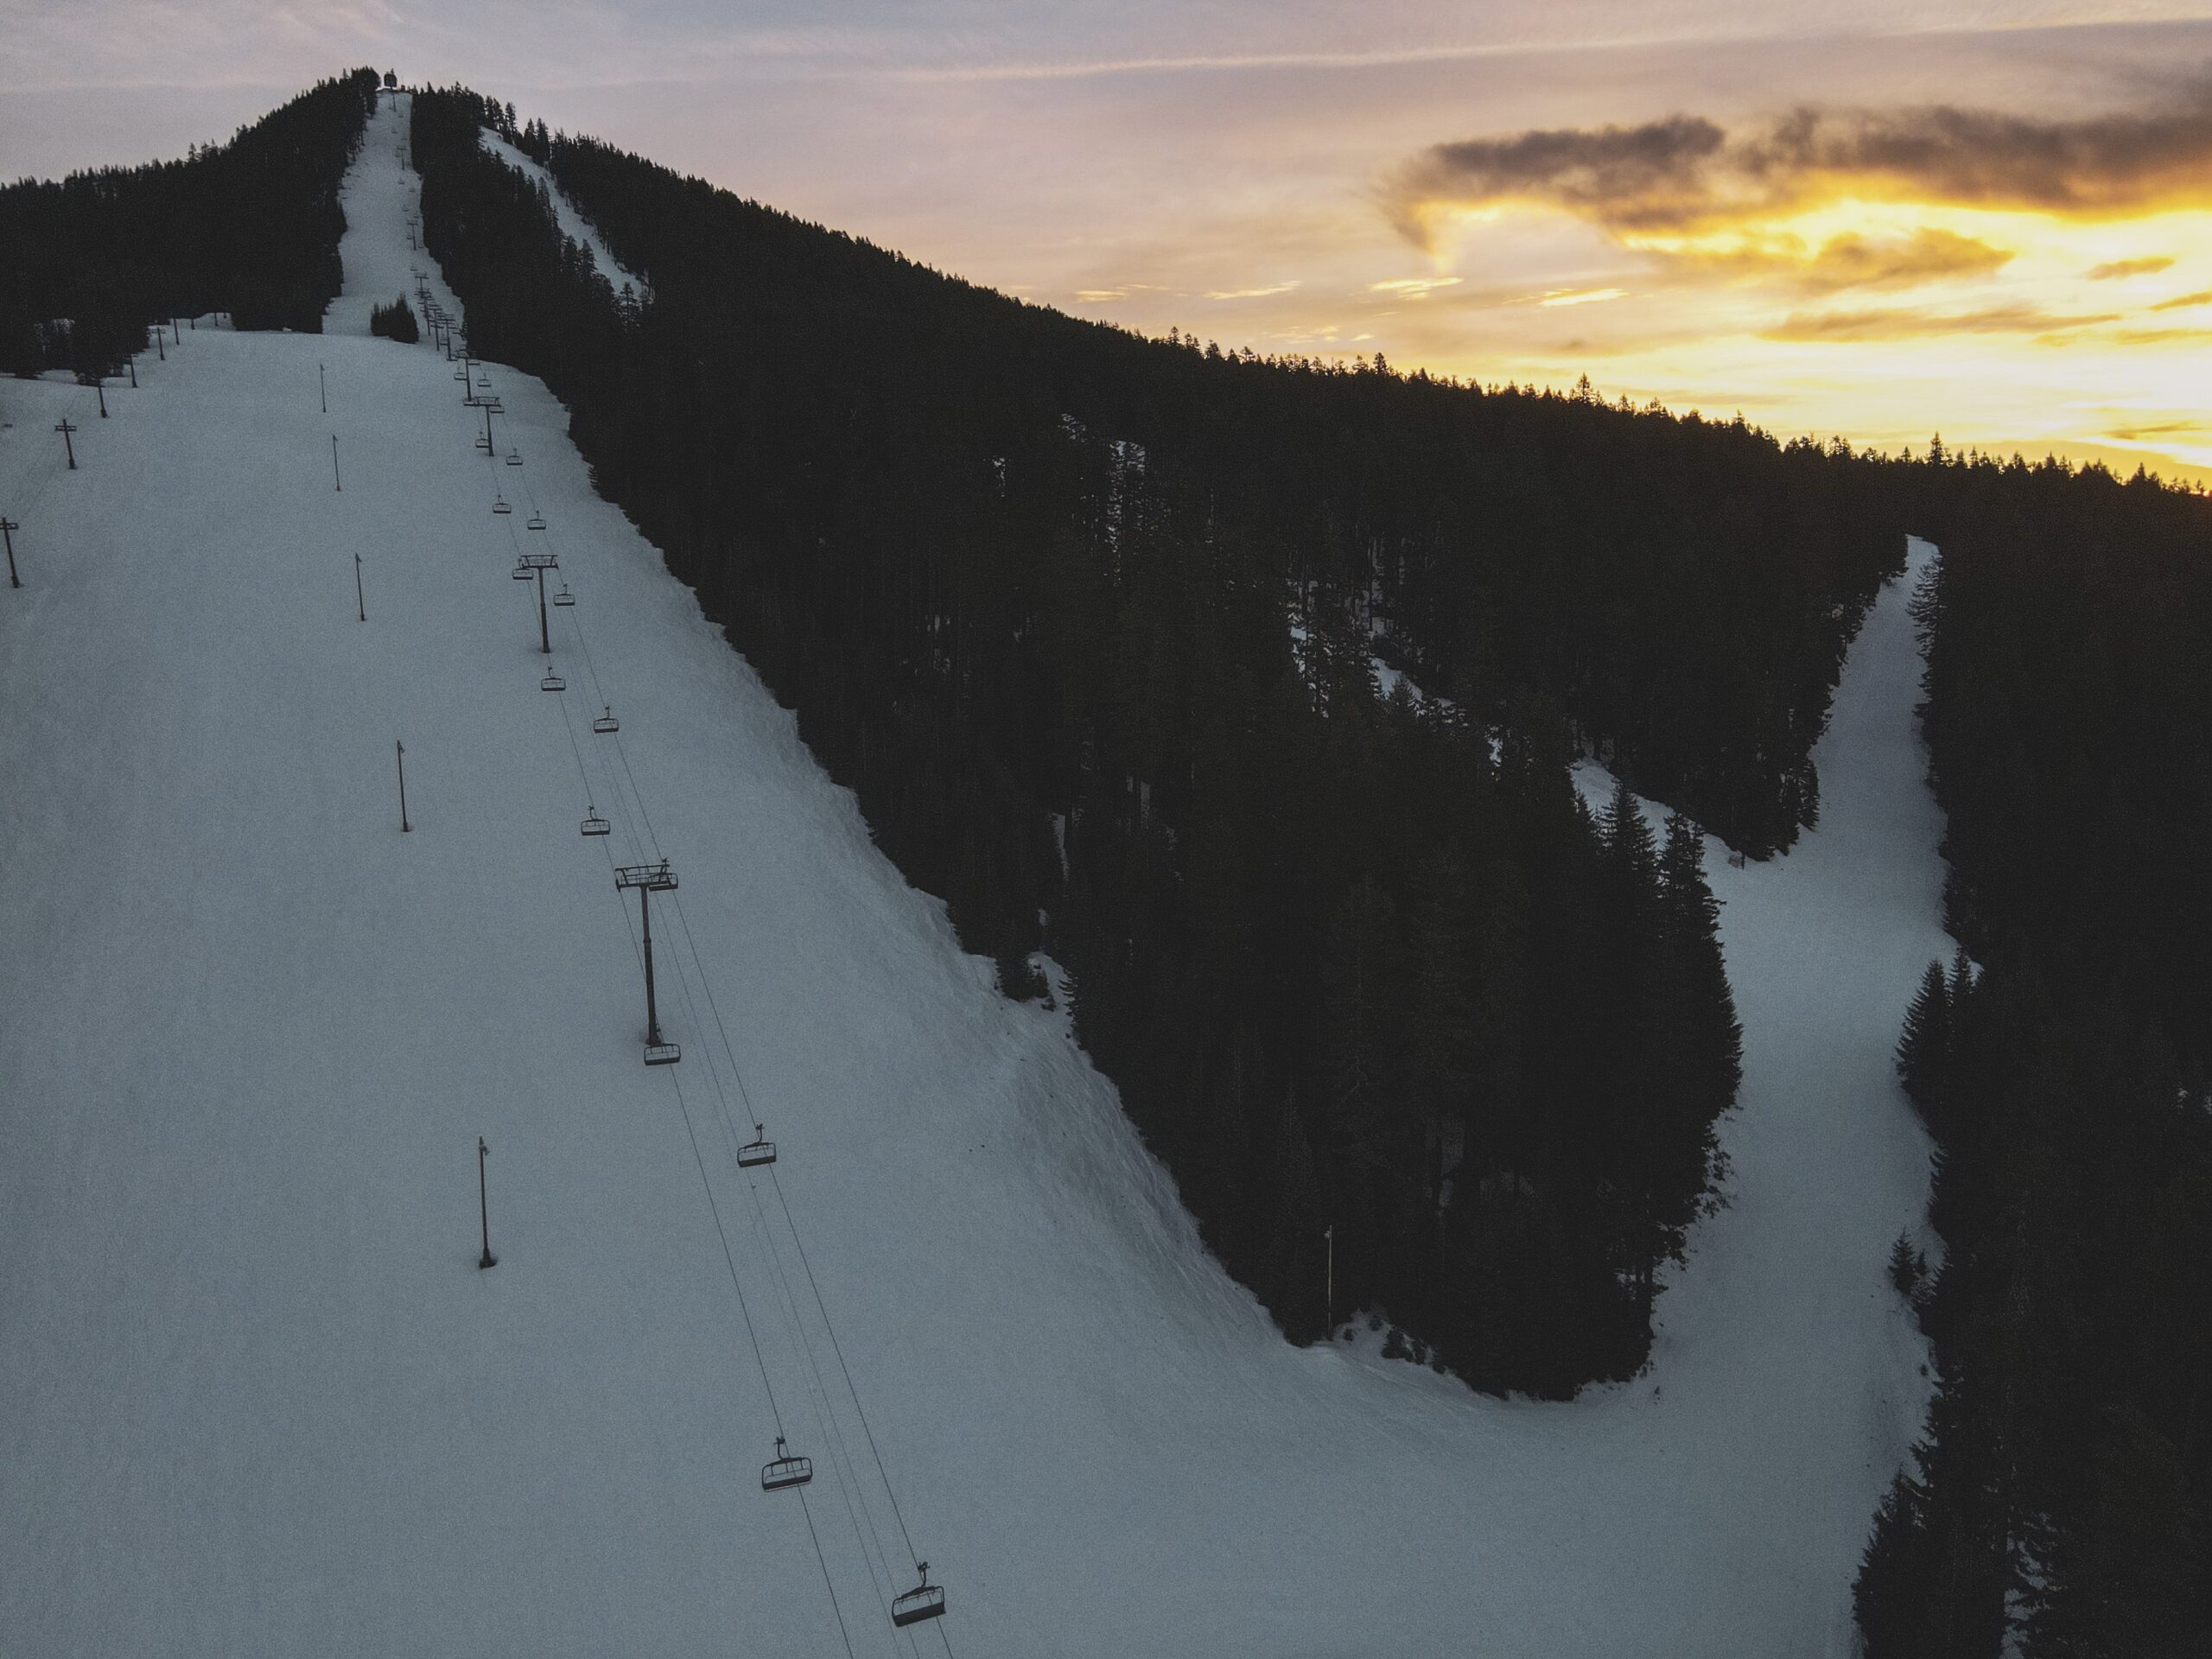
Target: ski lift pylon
<point>925,1600</point>
<point>607,722</point>
<point>784,1469</point>
<point>757,1151</point>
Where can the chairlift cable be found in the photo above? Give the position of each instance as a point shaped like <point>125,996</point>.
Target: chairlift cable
<point>837,1348</point>
<point>843,1634</point>
<point>714,1209</point>
<point>714,1077</point>
<point>840,1454</point>
<point>847,1481</point>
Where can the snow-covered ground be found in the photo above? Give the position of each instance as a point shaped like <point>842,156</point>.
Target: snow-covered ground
<point>255,1398</point>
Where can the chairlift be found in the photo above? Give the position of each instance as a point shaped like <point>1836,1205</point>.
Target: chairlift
<point>552,683</point>
<point>564,597</point>
<point>756,1151</point>
<point>593,824</point>
<point>537,521</point>
<point>662,1054</point>
<point>485,444</point>
<point>523,572</point>
<point>500,505</point>
<point>607,722</point>
<point>925,1600</point>
<point>514,457</point>
<point>784,1469</point>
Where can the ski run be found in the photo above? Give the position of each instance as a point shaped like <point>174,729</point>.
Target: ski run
<point>256,1396</point>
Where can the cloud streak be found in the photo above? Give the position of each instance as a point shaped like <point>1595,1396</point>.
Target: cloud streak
<point>1687,173</point>
<point>1910,323</point>
<point>2122,268</point>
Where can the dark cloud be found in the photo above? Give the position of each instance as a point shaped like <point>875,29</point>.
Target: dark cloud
<point>1688,174</point>
<point>2202,296</point>
<point>1908,323</point>
<point>2129,268</point>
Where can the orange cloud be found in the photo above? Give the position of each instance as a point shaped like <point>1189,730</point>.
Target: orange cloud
<point>2129,268</point>
<point>1849,261</point>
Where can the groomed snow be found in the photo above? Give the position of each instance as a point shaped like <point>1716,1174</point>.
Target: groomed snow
<point>256,1399</point>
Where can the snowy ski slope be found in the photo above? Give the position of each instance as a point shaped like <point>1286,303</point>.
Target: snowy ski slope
<point>256,1399</point>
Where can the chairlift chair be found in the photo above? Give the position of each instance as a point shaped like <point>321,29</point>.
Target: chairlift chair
<point>564,597</point>
<point>756,1151</point>
<point>537,521</point>
<point>662,1054</point>
<point>522,573</point>
<point>593,824</point>
<point>784,1469</point>
<point>925,1600</point>
<point>514,457</point>
<point>500,505</point>
<point>552,683</point>
<point>607,722</point>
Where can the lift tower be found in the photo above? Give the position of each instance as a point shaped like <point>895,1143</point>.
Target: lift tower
<point>539,562</point>
<point>650,879</point>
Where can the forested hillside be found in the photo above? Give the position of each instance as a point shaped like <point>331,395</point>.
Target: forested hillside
<point>1091,625</point>
<point>249,227</point>
<point>2060,1506</point>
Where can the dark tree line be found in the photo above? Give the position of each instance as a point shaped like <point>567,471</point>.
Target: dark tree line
<point>2059,1503</point>
<point>1091,625</point>
<point>249,227</point>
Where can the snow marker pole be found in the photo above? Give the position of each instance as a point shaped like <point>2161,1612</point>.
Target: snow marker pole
<point>323,389</point>
<point>484,1208</point>
<point>405,827</point>
<point>336,482</point>
<point>63,427</point>
<point>8,529</point>
<point>360,603</point>
<point>1329,1279</point>
<point>99,387</point>
<point>133,360</point>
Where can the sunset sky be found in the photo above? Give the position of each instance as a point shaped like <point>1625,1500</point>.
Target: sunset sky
<point>1879,220</point>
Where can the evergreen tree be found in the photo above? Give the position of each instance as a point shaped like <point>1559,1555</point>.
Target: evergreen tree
<point>1923,1049</point>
